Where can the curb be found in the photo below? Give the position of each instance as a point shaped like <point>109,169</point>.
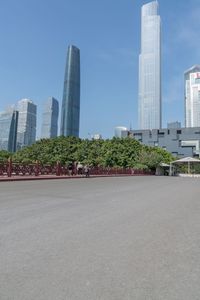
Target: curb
<point>28,178</point>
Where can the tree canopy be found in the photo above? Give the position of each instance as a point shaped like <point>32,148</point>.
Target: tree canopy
<point>115,152</point>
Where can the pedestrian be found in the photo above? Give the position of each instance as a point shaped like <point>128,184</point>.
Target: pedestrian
<point>86,171</point>
<point>80,169</point>
<point>70,169</point>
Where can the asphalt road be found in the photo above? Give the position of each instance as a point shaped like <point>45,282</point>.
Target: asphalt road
<point>133,238</point>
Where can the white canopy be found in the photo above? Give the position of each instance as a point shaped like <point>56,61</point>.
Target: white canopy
<point>187,160</point>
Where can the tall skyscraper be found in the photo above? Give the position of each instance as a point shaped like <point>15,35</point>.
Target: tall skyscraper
<point>50,118</point>
<point>8,132</point>
<point>70,113</point>
<point>149,108</point>
<point>192,97</point>
<point>26,132</point>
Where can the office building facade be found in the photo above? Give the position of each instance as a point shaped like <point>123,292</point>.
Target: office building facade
<point>181,142</point>
<point>70,112</point>
<point>50,118</point>
<point>26,132</point>
<point>149,106</point>
<point>8,132</point>
<point>192,96</point>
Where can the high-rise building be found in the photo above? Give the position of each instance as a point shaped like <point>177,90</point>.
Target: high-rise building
<point>50,118</point>
<point>70,113</point>
<point>149,108</point>
<point>26,132</point>
<point>8,130</point>
<point>192,97</point>
<point>175,124</point>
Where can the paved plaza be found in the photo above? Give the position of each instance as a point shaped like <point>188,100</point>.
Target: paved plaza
<point>128,238</point>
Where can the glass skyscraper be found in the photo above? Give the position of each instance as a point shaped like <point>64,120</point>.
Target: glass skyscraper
<point>8,130</point>
<point>26,132</point>
<point>192,97</point>
<point>149,108</point>
<point>70,113</point>
<point>50,118</point>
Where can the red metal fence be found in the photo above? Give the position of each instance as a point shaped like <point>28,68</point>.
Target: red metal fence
<point>10,169</point>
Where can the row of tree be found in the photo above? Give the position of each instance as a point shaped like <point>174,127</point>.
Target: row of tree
<point>125,152</point>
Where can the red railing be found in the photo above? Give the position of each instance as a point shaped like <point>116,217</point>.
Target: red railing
<point>10,169</point>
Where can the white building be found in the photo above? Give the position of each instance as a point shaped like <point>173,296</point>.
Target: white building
<point>149,108</point>
<point>26,132</point>
<point>119,131</point>
<point>192,97</point>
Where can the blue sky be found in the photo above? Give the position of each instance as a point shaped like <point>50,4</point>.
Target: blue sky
<point>35,35</point>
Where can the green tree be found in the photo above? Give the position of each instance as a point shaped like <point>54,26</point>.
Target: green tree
<point>4,155</point>
<point>115,152</point>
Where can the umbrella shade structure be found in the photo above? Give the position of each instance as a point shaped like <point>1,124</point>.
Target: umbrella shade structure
<point>186,160</point>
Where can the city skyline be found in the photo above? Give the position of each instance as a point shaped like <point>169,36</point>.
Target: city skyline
<point>109,56</point>
<point>150,91</point>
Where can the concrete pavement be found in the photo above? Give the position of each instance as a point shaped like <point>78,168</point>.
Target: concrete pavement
<point>100,239</point>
